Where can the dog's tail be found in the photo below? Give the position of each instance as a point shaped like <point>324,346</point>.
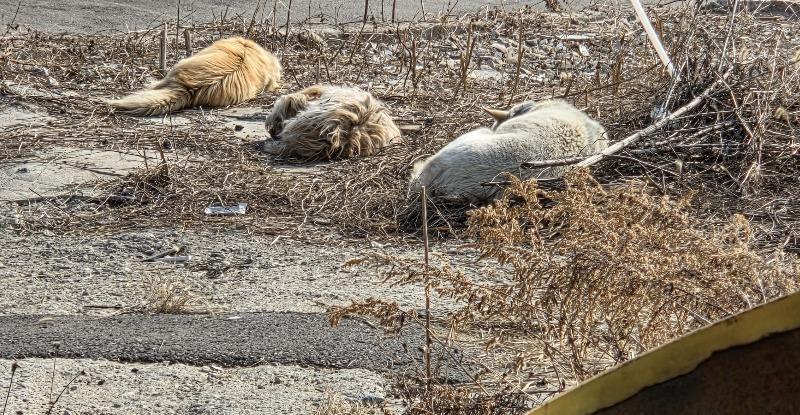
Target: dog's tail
<point>152,101</point>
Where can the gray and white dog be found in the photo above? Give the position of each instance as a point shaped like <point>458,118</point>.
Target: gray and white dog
<point>529,131</point>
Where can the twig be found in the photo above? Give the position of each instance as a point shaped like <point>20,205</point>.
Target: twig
<point>274,19</point>
<point>288,20</point>
<point>654,127</point>
<point>253,19</point>
<point>356,42</point>
<point>14,366</point>
<point>53,404</point>
<point>728,37</point>
<point>465,59</point>
<point>427,289</point>
<point>171,251</point>
<point>52,380</point>
<point>161,150</point>
<point>177,30</point>
<point>222,20</point>
<point>651,34</point>
<point>13,19</point>
<point>566,161</point>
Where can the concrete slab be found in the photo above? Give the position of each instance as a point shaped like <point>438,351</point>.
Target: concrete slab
<point>63,170</point>
<point>13,116</point>
<point>107,387</point>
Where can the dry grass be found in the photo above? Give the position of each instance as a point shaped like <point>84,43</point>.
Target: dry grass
<point>165,295</point>
<point>335,404</point>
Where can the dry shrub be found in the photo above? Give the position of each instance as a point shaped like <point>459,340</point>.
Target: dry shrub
<point>597,277</point>
<point>168,296</point>
<point>617,269</point>
<point>446,399</point>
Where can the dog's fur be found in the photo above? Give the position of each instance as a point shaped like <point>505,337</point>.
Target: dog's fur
<point>324,122</point>
<point>529,131</point>
<point>227,72</point>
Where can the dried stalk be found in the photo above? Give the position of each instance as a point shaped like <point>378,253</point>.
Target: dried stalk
<point>466,58</point>
<point>64,389</point>
<point>520,52</point>
<point>177,29</point>
<point>428,332</point>
<point>14,367</point>
<point>187,41</point>
<point>162,57</point>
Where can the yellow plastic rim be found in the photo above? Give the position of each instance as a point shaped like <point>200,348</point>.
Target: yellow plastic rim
<point>676,358</point>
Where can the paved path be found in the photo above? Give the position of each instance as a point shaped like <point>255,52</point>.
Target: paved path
<point>246,339</point>
<point>90,16</point>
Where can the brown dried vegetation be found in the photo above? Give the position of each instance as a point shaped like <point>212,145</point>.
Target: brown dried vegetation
<point>334,404</point>
<point>597,277</point>
<point>733,150</point>
<point>165,295</point>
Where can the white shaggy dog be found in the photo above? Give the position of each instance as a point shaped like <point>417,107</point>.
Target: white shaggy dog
<point>227,72</point>
<point>527,132</point>
<point>330,122</point>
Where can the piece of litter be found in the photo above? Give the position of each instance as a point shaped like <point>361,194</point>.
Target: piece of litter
<point>409,127</point>
<point>173,259</point>
<point>234,317</point>
<point>238,209</point>
<point>576,37</point>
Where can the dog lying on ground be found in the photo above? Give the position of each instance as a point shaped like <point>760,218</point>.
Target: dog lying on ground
<point>527,132</point>
<point>325,122</point>
<point>227,72</point>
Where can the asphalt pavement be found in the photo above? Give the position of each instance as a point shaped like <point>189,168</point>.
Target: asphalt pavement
<point>87,16</point>
<point>228,340</point>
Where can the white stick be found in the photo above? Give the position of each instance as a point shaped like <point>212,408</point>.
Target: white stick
<point>651,33</point>
<point>653,127</point>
